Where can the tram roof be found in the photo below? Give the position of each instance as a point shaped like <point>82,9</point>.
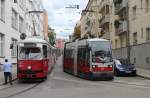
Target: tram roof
<point>33,40</point>
<point>97,39</point>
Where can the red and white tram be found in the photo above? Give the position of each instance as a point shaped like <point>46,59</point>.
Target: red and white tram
<point>35,58</point>
<point>89,58</point>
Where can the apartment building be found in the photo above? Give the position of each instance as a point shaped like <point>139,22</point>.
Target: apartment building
<point>89,19</point>
<point>106,22</point>
<point>133,30</point>
<point>15,20</point>
<point>45,25</point>
<point>139,12</point>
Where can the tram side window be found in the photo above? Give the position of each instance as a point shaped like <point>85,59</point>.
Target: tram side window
<point>83,54</point>
<point>45,51</point>
<point>69,53</point>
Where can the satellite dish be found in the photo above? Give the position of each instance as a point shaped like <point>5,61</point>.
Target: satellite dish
<point>23,36</point>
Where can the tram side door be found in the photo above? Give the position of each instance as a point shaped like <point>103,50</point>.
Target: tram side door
<point>82,59</point>
<point>75,51</point>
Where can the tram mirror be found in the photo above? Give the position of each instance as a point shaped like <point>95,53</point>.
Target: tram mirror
<point>23,36</point>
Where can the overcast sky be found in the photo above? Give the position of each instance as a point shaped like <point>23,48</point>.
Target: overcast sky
<point>63,19</point>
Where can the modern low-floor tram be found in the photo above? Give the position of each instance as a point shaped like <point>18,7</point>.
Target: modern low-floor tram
<point>89,58</point>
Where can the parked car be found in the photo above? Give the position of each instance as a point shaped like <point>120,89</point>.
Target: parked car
<point>120,68</point>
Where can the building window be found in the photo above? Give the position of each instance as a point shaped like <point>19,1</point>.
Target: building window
<point>15,1</point>
<point>147,6</point>
<point>134,12</point>
<point>147,34</point>
<point>14,19</point>
<point>147,60</point>
<point>14,49</point>
<point>2,10</point>
<point>116,42</point>
<point>22,4</point>
<point>1,45</point>
<point>20,24</point>
<point>141,4</point>
<point>107,9</point>
<point>134,60</point>
<point>135,38</point>
<point>141,32</point>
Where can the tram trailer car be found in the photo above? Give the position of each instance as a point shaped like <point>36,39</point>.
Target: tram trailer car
<point>35,58</point>
<point>89,59</point>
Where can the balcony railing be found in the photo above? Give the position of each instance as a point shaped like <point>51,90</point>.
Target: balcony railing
<point>119,7</point>
<point>106,35</point>
<point>103,3</point>
<point>122,27</point>
<point>104,19</point>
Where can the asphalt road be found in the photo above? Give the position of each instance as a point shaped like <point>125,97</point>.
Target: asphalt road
<point>63,85</point>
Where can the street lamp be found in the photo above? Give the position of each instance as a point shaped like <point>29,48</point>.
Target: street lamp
<point>73,6</point>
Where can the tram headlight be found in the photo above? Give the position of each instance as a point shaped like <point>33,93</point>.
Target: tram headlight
<point>29,67</point>
<point>94,66</point>
<point>110,66</point>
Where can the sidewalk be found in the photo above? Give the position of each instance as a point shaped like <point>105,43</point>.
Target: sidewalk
<point>143,73</point>
<point>14,74</point>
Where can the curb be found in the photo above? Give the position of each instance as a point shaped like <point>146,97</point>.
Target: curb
<point>142,76</point>
<point>9,82</point>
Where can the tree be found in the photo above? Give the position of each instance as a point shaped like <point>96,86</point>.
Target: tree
<point>51,35</point>
<point>77,32</point>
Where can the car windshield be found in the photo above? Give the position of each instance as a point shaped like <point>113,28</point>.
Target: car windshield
<point>30,53</point>
<point>101,51</point>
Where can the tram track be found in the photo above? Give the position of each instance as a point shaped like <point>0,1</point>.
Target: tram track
<point>9,82</point>
<point>23,91</point>
<point>21,88</point>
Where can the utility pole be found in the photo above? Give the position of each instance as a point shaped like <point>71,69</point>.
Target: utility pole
<point>128,35</point>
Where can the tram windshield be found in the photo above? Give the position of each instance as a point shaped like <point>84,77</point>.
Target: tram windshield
<point>30,53</point>
<point>101,52</point>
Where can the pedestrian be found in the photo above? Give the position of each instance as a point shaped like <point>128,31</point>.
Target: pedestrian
<point>7,67</point>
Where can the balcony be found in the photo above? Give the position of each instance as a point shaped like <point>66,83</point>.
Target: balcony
<point>104,19</point>
<point>105,35</point>
<point>122,28</point>
<point>103,4</point>
<point>121,6</point>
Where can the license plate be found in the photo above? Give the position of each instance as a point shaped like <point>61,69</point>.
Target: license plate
<point>29,76</point>
<point>128,71</point>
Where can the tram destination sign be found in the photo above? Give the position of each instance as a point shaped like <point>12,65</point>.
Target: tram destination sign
<point>29,44</point>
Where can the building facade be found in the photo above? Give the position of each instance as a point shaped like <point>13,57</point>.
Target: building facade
<point>125,23</point>
<point>106,22</point>
<point>15,19</point>
<point>60,43</point>
<point>45,25</point>
<point>133,32</point>
<point>89,19</point>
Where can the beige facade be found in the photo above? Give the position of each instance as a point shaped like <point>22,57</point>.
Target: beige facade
<point>45,25</point>
<point>100,19</point>
<point>119,40</point>
<point>139,27</point>
<point>139,11</point>
<point>106,22</point>
<point>89,19</point>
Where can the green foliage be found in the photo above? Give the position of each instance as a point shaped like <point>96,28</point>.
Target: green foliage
<point>77,32</point>
<point>51,36</point>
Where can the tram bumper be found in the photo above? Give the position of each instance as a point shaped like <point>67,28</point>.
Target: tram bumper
<point>31,74</point>
<point>101,75</point>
